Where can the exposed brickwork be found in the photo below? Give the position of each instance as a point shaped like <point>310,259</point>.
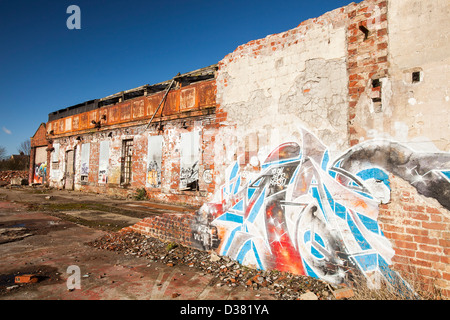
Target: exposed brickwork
<point>39,139</point>
<point>169,191</point>
<point>367,43</point>
<point>419,229</point>
<point>167,227</point>
<point>266,86</point>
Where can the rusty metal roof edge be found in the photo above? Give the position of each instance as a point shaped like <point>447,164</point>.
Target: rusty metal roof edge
<point>209,70</point>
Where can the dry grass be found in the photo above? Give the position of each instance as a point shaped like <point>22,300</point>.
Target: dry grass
<point>416,289</point>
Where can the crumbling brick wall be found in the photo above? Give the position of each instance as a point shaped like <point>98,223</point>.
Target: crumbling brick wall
<point>341,60</point>
<point>39,140</point>
<point>419,228</point>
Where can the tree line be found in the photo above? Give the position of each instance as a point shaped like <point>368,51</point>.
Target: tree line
<point>20,161</point>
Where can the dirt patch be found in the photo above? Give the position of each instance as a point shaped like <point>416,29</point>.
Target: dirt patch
<point>13,234</point>
<point>20,229</point>
<point>45,274</point>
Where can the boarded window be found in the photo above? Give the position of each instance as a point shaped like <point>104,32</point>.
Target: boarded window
<point>84,171</point>
<point>103,162</point>
<point>55,161</point>
<point>40,165</point>
<point>189,160</point>
<point>154,159</point>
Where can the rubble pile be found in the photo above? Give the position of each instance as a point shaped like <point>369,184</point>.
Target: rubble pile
<point>13,177</point>
<point>285,286</point>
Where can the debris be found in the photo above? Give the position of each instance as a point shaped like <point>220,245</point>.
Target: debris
<point>12,287</point>
<point>26,278</point>
<point>343,293</point>
<point>308,296</point>
<point>222,269</point>
<point>13,177</point>
<point>214,257</point>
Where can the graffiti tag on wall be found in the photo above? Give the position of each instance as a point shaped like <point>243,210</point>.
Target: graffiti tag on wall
<point>308,214</point>
<point>154,159</point>
<point>40,172</point>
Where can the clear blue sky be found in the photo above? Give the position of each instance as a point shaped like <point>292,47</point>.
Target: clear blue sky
<point>45,67</point>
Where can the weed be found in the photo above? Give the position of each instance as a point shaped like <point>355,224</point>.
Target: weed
<point>171,245</point>
<point>140,194</point>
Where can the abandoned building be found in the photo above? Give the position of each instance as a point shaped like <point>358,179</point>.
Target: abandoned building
<point>322,150</point>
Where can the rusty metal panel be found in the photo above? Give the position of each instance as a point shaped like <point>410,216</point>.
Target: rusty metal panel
<point>68,124</point>
<point>61,126</point>
<point>92,116</point>
<point>83,121</point>
<point>171,104</point>
<point>125,112</point>
<point>152,103</point>
<point>207,94</point>
<point>113,114</point>
<point>76,123</point>
<point>103,116</point>
<point>138,109</point>
<point>188,99</point>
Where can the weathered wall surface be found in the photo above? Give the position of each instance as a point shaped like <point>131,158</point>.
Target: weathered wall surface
<point>170,170</point>
<point>108,180</point>
<point>412,112</point>
<point>325,153</point>
<point>269,87</point>
<point>38,156</point>
<point>315,136</point>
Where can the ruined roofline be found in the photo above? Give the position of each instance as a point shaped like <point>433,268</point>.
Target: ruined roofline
<point>187,78</point>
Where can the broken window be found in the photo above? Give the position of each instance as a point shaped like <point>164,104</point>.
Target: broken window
<point>126,160</point>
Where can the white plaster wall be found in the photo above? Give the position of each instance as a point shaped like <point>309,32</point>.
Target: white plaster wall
<point>296,79</point>
<point>417,114</point>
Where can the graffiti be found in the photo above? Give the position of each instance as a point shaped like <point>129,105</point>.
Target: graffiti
<point>40,172</point>
<point>153,174</point>
<point>154,158</point>
<point>427,172</point>
<point>189,158</point>
<point>306,214</point>
<point>207,176</point>
<point>84,170</point>
<point>103,162</point>
<point>189,177</point>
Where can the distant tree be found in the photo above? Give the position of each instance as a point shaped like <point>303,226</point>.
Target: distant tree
<point>25,147</point>
<point>2,153</point>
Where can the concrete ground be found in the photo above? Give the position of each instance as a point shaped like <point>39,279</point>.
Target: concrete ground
<point>46,243</point>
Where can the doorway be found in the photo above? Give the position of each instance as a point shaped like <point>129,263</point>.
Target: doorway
<point>69,174</point>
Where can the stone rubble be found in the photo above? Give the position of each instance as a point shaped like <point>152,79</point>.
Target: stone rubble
<point>13,177</point>
<point>225,271</point>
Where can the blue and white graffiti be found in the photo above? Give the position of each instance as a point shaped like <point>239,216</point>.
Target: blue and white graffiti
<point>307,214</point>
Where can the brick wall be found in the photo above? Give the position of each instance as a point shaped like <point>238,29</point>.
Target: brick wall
<point>313,85</point>
<point>367,43</point>
<point>167,227</point>
<point>39,139</point>
<point>419,229</point>
<point>169,191</point>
